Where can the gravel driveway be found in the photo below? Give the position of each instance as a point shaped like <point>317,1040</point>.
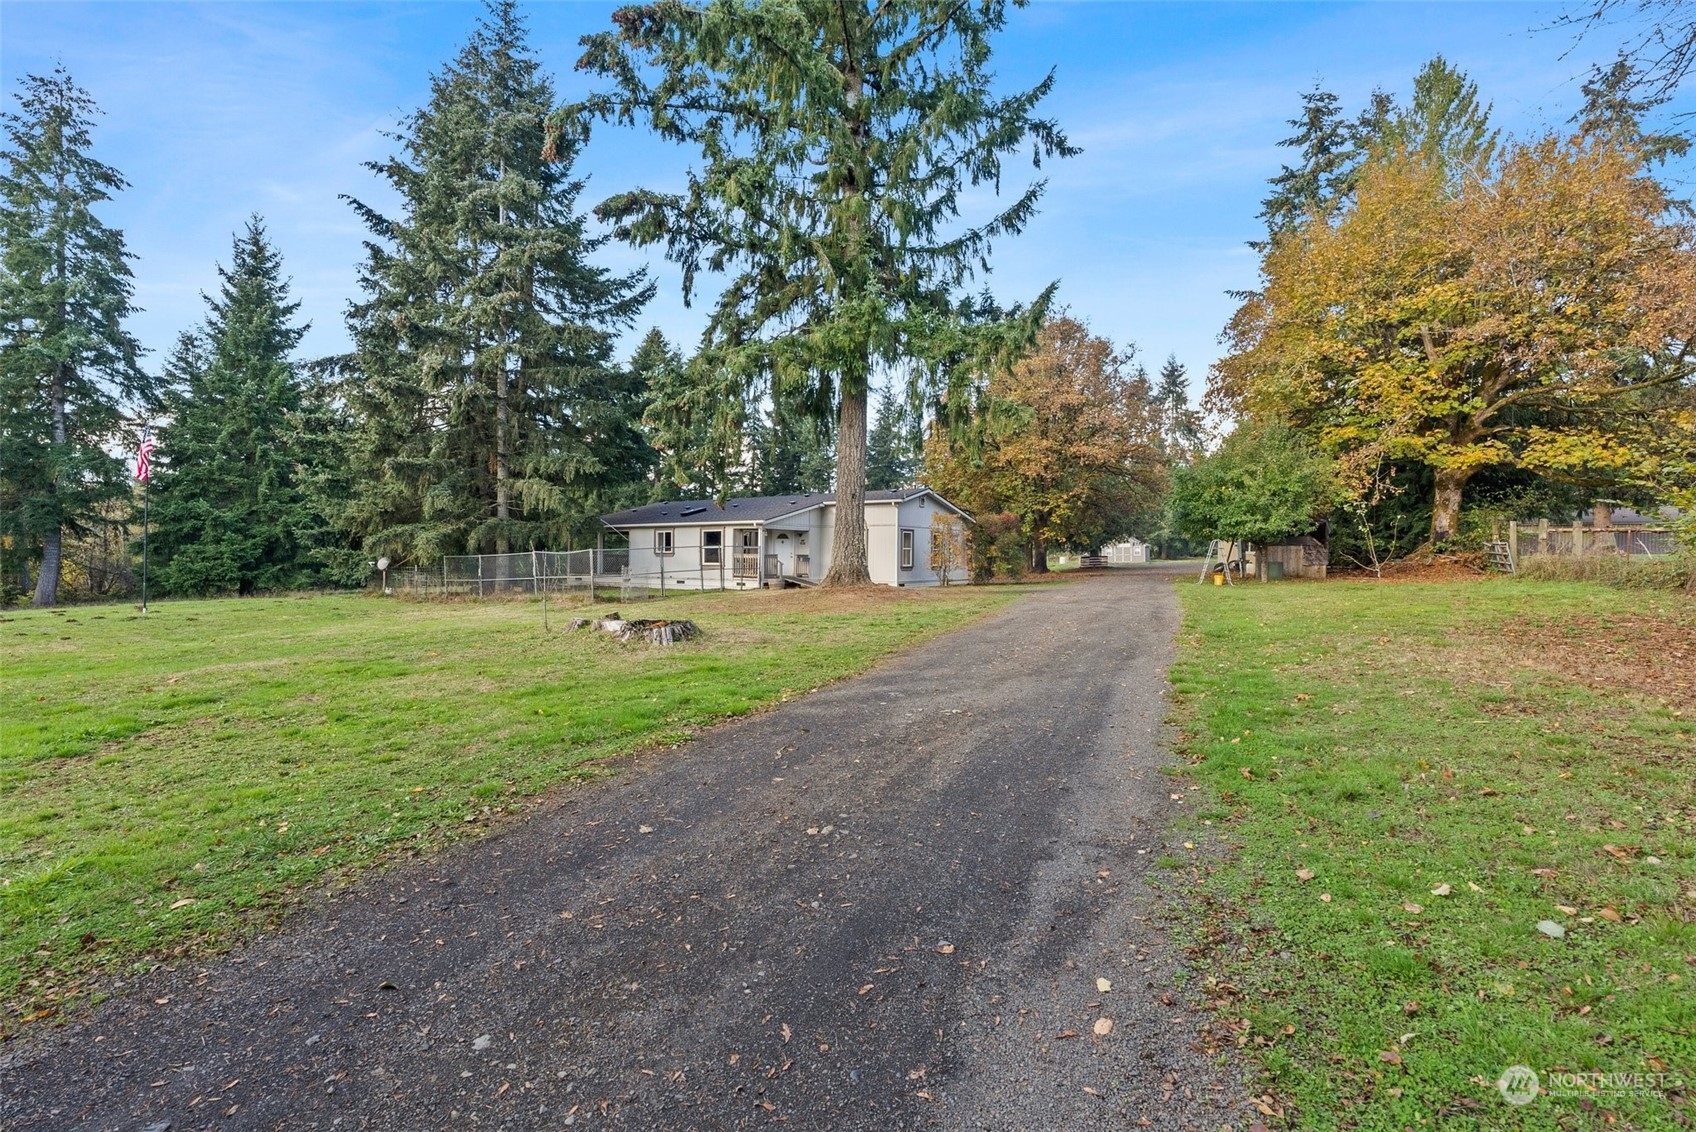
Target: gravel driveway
<point>885,905</point>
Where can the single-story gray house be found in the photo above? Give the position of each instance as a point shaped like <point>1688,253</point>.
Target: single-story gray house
<point>913,538</point>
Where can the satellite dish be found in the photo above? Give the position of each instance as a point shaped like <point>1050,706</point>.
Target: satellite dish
<point>382,563</point>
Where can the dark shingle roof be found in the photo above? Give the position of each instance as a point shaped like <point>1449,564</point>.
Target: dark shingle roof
<point>758,509</point>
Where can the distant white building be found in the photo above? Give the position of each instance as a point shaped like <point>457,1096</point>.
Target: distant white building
<point>1126,551</point>
<point>787,540</point>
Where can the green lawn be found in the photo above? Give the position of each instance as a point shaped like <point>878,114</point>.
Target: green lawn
<point>169,783</point>
<point>1394,785</point>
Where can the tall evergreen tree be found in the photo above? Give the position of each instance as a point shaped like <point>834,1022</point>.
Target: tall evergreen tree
<point>1324,145</point>
<point>787,450</point>
<point>1444,123</point>
<point>67,365</point>
<point>1614,110</point>
<point>1180,426</point>
<point>489,413</point>
<point>229,509</point>
<point>836,144</point>
<point>894,448</point>
<point>692,462</point>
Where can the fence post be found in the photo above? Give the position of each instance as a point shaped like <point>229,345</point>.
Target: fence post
<point>1542,536</point>
<point>535,572</point>
<point>1578,540</point>
<point>1513,546</point>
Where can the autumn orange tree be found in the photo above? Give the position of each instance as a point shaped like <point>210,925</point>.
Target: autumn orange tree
<point>1064,439</point>
<point>1520,312</point>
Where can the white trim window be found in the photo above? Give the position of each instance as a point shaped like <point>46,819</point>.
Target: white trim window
<point>906,548</point>
<point>665,545</point>
<point>712,548</point>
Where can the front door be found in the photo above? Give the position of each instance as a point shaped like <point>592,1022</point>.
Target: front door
<point>782,546</point>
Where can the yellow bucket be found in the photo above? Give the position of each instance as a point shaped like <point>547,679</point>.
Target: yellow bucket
<point>1219,579</point>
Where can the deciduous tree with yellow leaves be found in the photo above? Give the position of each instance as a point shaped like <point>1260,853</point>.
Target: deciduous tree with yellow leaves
<point>1528,310</point>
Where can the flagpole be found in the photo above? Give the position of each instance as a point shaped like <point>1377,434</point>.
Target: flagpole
<point>144,472</point>
<point>146,516</point>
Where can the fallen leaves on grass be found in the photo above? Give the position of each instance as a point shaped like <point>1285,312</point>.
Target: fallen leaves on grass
<point>1622,650</point>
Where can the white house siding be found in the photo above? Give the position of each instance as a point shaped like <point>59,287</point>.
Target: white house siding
<point>916,515</point>
<point>883,547</point>
<point>824,539</point>
<point>683,568</point>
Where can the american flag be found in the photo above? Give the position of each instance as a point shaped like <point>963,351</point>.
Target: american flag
<point>144,455</point>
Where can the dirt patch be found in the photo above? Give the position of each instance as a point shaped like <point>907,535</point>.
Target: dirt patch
<point>845,600</point>
<point>1632,651</point>
<point>1424,568</point>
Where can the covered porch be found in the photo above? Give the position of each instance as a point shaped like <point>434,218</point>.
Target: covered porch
<point>783,557</point>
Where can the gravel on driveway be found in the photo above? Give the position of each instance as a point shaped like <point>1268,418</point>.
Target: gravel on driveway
<point>889,904</point>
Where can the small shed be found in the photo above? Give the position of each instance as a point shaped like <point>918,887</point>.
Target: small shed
<point>1305,556</point>
<point>1126,552</point>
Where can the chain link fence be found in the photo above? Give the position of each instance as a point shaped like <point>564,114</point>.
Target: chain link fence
<point>530,572</point>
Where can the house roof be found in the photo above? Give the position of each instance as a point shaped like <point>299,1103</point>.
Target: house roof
<point>755,510</point>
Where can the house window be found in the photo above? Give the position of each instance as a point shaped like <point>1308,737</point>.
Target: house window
<point>663,543</point>
<point>906,549</point>
<point>712,548</point>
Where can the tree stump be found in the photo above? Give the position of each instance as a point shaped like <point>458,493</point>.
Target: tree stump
<point>655,632</point>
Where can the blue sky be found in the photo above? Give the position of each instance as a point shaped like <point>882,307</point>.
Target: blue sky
<point>213,111</point>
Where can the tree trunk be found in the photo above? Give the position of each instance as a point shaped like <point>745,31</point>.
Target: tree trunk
<point>503,465</point>
<point>1039,556</point>
<point>1039,544</point>
<point>52,548</point>
<point>848,561</point>
<point>503,458</point>
<point>1445,509</point>
<point>848,555</point>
